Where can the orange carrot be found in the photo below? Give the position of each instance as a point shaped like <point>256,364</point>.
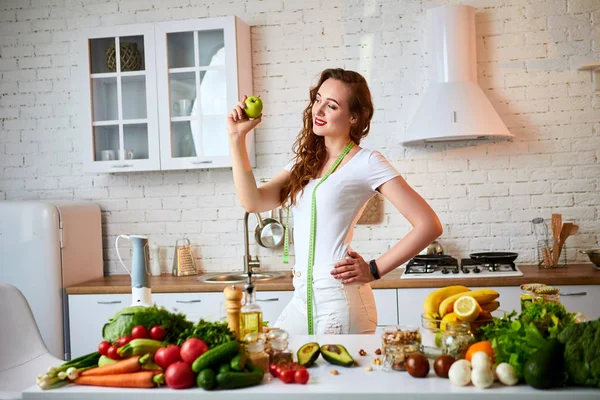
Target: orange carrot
<point>144,379</point>
<point>127,366</point>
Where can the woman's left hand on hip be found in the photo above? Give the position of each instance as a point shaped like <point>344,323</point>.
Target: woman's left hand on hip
<point>353,268</point>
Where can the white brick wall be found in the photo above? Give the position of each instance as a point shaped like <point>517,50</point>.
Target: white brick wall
<point>485,192</point>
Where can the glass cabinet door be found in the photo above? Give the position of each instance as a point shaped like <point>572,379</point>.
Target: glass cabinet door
<point>197,93</point>
<point>198,87</point>
<point>122,91</point>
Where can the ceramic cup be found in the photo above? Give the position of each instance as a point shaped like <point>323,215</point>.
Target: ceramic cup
<point>183,107</point>
<point>107,155</point>
<point>126,155</point>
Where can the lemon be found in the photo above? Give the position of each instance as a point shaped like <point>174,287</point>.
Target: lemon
<point>466,308</point>
<point>452,317</point>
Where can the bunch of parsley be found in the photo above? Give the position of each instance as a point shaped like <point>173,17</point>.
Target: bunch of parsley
<point>212,333</point>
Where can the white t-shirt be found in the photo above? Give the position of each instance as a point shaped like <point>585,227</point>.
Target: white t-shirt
<point>339,200</point>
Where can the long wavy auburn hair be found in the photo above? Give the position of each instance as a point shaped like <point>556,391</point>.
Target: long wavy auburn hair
<point>309,149</point>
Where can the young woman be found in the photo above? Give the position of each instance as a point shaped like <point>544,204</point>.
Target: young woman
<point>328,157</point>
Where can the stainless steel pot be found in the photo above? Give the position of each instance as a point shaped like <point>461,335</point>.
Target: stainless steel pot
<point>270,234</point>
<point>594,256</point>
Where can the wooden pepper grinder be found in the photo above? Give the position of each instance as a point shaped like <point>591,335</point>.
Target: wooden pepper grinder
<point>233,305</point>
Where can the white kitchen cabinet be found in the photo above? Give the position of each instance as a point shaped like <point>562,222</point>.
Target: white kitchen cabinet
<point>387,310</point>
<point>119,99</point>
<point>203,68</point>
<point>87,315</point>
<point>167,108</point>
<point>587,303</point>
<point>272,304</point>
<point>195,306</point>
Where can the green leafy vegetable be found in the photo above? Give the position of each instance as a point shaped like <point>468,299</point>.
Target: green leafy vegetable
<point>549,318</point>
<point>582,353</point>
<point>513,341</point>
<point>122,322</point>
<point>212,333</point>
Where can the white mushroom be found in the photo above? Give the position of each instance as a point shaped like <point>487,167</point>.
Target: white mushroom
<point>481,360</point>
<point>507,374</point>
<point>460,373</point>
<point>482,378</point>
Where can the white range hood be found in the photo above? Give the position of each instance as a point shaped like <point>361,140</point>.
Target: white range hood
<point>453,107</point>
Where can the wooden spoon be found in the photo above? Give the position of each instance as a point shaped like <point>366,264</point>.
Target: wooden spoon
<point>574,230</point>
<point>556,227</point>
<point>565,231</point>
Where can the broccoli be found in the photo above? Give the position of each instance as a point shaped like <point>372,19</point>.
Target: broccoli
<point>582,353</point>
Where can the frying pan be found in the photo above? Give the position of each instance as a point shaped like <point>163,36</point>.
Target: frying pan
<point>494,257</point>
<point>270,233</point>
<point>431,257</point>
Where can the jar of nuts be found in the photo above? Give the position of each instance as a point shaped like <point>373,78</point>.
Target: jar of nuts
<point>400,335</point>
<point>395,355</point>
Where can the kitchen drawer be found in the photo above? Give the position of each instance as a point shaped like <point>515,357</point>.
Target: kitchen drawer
<point>195,306</point>
<point>387,306</point>
<point>587,303</point>
<point>87,315</point>
<point>272,304</point>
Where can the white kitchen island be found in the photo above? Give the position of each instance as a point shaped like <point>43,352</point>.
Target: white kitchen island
<point>351,383</point>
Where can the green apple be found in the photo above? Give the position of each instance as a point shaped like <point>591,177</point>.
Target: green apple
<point>254,106</point>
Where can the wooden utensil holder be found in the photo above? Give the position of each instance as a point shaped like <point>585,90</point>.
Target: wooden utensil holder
<point>544,255</point>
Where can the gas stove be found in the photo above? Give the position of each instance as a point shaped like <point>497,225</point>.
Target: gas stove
<point>447,267</point>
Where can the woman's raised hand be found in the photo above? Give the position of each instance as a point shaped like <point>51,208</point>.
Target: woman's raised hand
<point>238,123</point>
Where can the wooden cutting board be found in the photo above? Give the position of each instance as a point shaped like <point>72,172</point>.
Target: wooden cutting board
<point>373,211</point>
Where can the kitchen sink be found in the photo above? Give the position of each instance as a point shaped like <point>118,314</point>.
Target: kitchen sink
<point>239,277</point>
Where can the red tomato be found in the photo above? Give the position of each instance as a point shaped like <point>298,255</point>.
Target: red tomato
<point>122,341</point>
<point>139,332</point>
<point>157,332</point>
<point>192,349</point>
<point>179,375</point>
<point>301,375</point>
<point>273,370</point>
<point>166,356</point>
<point>112,353</point>
<point>287,376</point>
<point>103,348</point>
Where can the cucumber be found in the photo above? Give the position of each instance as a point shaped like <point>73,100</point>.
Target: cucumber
<point>224,368</point>
<point>234,380</point>
<point>238,363</point>
<point>206,379</point>
<point>216,356</point>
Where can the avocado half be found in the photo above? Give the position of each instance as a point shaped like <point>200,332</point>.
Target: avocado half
<point>308,354</point>
<point>337,354</point>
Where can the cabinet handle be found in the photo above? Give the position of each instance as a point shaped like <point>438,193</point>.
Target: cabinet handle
<point>109,302</point>
<point>574,294</point>
<point>188,301</point>
<point>122,166</point>
<point>202,162</point>
<point>273,299</point>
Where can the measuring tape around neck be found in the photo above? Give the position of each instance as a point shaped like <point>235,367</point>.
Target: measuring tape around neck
<point>312,240</point>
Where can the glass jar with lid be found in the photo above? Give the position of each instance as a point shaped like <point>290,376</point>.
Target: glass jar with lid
<point>527,293</point>
<point>456,339</point>
<point>397,335</point>
<point>255,348</point>
<point>395,355</point>
<point>277,347</point>
<point>546,293</point>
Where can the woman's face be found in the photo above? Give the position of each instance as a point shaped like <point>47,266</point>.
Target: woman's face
<point>330,112</point>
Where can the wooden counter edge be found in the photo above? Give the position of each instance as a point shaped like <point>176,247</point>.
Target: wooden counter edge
<point>576,274</point>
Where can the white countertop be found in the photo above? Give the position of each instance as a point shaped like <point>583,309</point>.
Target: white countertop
<point>350,383</point>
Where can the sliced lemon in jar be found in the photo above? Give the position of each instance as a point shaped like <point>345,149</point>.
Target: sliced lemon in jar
<point>448,318</point>
<point>466,308</point>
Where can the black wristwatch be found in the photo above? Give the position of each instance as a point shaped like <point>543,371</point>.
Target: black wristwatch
<point>373,268</point>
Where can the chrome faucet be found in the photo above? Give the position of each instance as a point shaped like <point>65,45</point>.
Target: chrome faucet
<point>250,263</point>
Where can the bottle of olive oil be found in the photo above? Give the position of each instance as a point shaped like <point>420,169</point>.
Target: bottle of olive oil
<point>250,314</point>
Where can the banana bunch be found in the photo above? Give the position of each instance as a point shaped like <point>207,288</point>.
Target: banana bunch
<point>481,296</point>
<point>441,301</point>
<point>434,299</point>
